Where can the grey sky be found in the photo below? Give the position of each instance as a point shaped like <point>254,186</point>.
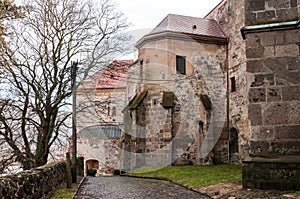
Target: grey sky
<point>148,13</point>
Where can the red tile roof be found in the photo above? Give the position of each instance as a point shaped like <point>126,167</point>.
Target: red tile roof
<point>112,76</point>
<point>189,25</point>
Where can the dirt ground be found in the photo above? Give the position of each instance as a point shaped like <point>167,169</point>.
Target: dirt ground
<point>235,191</point>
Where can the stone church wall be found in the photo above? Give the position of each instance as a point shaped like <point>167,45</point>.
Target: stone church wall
<point>273,76</point>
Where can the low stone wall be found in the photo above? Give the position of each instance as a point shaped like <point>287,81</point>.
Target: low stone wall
<point>35,183</point>
<point>281,173</point>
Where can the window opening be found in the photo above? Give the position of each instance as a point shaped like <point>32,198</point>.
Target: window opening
<point>180,64</point>
<point>233,84</point>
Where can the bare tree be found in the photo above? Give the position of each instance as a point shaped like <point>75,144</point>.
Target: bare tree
<point>35,72</point>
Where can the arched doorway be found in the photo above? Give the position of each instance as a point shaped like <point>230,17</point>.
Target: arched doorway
<point>92,167</point>
<point>234,144</point>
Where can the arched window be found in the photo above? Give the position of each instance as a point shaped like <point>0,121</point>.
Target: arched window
<point>234,141</point>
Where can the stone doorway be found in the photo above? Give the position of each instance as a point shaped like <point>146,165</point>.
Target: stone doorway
<point>92,167</point>
<point>234,145</point>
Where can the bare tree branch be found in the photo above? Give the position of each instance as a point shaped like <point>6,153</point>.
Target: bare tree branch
<point>35,71</point>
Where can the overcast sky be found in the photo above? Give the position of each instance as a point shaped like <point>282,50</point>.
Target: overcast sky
<point>148,13</point>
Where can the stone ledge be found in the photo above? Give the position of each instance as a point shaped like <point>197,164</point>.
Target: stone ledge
<point>283,159</point>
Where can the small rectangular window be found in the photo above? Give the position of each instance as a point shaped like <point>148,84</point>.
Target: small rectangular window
<point>180,65</point>
<point>114,111</point>
<point>155,102</point>
<point>233,84</point>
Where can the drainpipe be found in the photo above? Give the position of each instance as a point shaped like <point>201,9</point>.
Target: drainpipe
<point>227,101</point>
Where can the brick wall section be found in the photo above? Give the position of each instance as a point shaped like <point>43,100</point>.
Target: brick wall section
<point>270,11</point>
<point>36,183</point>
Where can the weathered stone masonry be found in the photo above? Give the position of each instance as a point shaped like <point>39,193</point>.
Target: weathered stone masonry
<point>36,183</point>
<point>273,76</point>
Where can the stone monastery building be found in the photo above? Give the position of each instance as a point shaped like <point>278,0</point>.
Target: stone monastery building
<point>223,88</point>
<point>220,89</point>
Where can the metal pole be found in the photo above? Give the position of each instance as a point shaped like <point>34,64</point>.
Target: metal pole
<point>74,135</point>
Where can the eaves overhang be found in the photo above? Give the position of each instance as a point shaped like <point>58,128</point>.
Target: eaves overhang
<point>270,27</point>
<point>181,36</point>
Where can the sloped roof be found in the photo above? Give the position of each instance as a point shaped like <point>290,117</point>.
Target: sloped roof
<point>100,131</point>
<point>189,25</point>
<point>137,99</point>
<point>112,76</point>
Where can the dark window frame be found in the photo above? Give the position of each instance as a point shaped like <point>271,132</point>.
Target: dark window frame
<point>233,84</point>
<point>180,64</point>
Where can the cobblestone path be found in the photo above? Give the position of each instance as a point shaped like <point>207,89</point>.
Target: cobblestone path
<point>132,188</point>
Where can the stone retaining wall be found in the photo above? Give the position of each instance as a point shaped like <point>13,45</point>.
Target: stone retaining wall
<point>281,173</point>
<point>35,183</point>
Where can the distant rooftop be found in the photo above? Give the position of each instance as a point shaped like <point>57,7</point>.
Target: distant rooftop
<point>189,25</point>
<point>112,76</point>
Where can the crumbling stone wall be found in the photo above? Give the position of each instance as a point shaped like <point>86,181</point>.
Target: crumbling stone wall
<point>35,183</point>
<point>179,137</point>
<point>230,14</point>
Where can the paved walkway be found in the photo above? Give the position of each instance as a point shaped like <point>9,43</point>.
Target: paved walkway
<point>132,188</point>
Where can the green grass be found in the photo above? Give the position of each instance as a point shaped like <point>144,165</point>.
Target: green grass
<point>63,192</point>
<point>193,176</point>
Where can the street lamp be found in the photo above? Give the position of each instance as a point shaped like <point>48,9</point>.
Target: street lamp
<point>74,68</point>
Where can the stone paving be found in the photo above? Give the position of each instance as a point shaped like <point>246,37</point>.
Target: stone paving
<point>133,188</point>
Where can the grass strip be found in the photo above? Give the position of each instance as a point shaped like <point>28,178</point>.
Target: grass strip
<point>193,176</point>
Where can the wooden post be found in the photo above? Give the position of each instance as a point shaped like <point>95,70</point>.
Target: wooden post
<point>69,174</point>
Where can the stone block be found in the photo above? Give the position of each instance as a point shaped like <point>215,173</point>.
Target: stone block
<point>279,37</point>
<point>264,17</point>
<point>255,52</point>
<point>292,36</point>
<point>293,63</point>
<point>263,79</point>
<point>291,50</point>
<point>254,66</point>
<point>293,3</point>
<point>262,133</point>
<point>255,114</point>
<point>291,147</point>
<point>279,3</point>
<point>288,78</point>
<point>276,114</point>
<point>274,94</point>
<point>255,5</point>
<point>269,51</point>
<point>275,64</point>
<point>250,18</point>
<point>281,113</point>
<point>259,148</point>
<point>290,93</point>
<point>253,40</point>
<point>288,14</point>
<point>257,95</point>
<point>287,132</point>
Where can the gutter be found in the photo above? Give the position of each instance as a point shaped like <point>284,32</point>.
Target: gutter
<point>227,101</point>
<point>271,26</point>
